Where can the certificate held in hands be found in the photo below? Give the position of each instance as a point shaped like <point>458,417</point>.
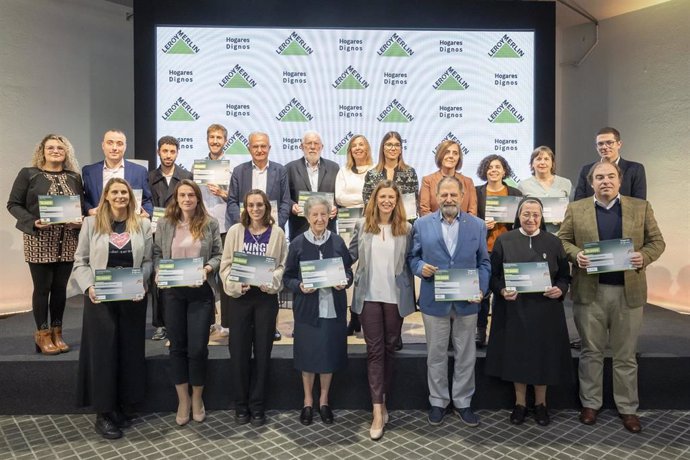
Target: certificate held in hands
<point>502,208</point>
<point>114,284</point>
<point>251,269</point>
<point>59,209</point>
<point>323,273</point>
<point>609,255</point>
<point>460,284</point>
<point>216,172</point>
<point>527,277</point>
<point>181,272</point>
<point>347,219</point>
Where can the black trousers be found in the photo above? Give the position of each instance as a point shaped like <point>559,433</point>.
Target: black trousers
<point>157,308</point>
<point>50,286</point>
<point>252,324</point>
<point>112,367</point>
<point>188,311</point>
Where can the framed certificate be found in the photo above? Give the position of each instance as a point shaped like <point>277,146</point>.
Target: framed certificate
<point>323,273</point>
<point>59,209</point>
<point>554,208</point>
<point>456,285</point>
<point>502,208</point>
<point>114,284</point>
<point>347,219</point>
<point>527,276</point>
<point>181,272</point>
<point>251,269</point>
<point>304,195</point>
<point>206,171</point>
<point>609,256</point>
<point>410,204</point>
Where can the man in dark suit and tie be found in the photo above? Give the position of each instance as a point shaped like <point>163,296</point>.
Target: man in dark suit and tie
<point>310,173</point>
<point>448,239</point>
<point>261,174</point>
<point>634,182</point>
<point>96,175</point>
<point>608,307</point>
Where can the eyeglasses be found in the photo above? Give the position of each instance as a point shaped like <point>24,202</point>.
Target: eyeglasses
<point>391,146</point>
<point>606,144</point>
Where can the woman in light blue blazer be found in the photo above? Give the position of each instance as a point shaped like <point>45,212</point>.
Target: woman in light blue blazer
<point>112,370</point>
<point>187,231</point>
<point>383,289</point>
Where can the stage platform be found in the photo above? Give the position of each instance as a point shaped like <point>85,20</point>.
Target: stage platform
<point>31,383</point>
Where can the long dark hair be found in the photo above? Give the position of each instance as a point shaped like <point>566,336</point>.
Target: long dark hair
<point>200,218</point>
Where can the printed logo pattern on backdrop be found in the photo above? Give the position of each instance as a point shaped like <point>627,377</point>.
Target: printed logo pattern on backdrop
<point>476,87</point>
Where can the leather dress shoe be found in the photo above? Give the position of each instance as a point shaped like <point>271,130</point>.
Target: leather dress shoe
<point>588,416</point>
<point>258,418</point>
<point>106,427</point>
<point>326,414</point>
<point>241,416</point>
<point>631,422</point>
<point>307,415</point>
<point>541,415</point>
<point>517,417</point>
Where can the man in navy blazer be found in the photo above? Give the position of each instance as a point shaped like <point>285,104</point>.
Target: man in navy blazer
<point>310,173</point>
<point>634,183</point>
<point>261,174</point>
<point>449,239</point>
<point>96,175</point>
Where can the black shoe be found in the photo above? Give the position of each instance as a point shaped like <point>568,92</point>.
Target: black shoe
<point>517,417</point>
<point>258,418</point>
<point>399,345</point>
<point>119,419</point>
<point>480,338</point>
<point>326,414</point>
<point>107,428</point>
<point>541,415</point>
<point>160,334</point>
<point>354,325</point>
<point>277,336</point>
<point>307,415</point>
<point>241,416</point>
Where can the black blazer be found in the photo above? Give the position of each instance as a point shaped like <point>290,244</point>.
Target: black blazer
<point>298,179</point>
<point>161,192</point>
<point>634,181</point>
<point>481,198</point>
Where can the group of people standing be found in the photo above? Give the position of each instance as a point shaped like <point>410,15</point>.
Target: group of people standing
<point>404,232</point>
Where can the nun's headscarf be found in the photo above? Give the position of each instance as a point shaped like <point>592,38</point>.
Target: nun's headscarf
<point>529,199</point>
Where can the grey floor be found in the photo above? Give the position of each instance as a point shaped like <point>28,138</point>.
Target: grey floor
<point>665,435</point>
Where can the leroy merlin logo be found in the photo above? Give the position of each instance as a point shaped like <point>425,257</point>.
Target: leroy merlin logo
<point>350,79</point>
<point>506,113</point>
<point>395,112</point>
<point>450,80</point>
<point>341,147</point>
<point>180,43</point>
<point>237,78</point>
<point>180,111</point>
<point>237,144</point>
<point>506,48</point>
<point>294,45</point>
<point>294,112</point>
<point>452,137</point>
<point>395,46</point>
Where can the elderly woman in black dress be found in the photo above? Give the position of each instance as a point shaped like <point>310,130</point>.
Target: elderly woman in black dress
<point>529,336</point>
<point>320,314</point>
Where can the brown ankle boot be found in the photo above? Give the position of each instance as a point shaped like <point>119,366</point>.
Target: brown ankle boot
<point>56,334</point>
<point>44,343</point>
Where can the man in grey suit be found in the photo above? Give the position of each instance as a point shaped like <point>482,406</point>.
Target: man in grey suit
<point>314,174</point>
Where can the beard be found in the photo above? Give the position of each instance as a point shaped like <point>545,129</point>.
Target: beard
<point>450,210</point>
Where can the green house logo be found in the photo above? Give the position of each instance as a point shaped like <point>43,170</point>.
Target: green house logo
<point>180,110</point>
<point>395,46</point>
<point>237,144</point>
<point>180,43</point>
<point>341,147</point>
<point>294,112</point>
<point>506,113</point>
<point>395,112</point>
<point>450,80</point>
<point>452,137</point>
<point>294,45</point>
<point>350,79</point>
<point>237,78</point>
<point>506,48</point>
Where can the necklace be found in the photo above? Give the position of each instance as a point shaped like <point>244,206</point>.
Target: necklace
<point>257,237</point>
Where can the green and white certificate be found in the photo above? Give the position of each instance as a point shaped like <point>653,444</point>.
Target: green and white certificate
<point>502,208</point>
<point>410,204</point>
<point>456,285</point>
<point>157,214</point>
<point>252,269</point>
<point>181,272</point>
<point>554,208</point>
<point>527,277</point>
<point>323,273</point>
<point>609,256</point>
<point>347,219</point>
<point>206,171</point>
<point>59,209</point>
<point>113,284</point>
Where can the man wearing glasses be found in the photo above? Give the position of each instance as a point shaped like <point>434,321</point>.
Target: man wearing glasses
<point>634,182</point>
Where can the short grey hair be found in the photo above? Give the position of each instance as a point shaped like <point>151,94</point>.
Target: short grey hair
<point>316,200</point>
<point>311,133</point>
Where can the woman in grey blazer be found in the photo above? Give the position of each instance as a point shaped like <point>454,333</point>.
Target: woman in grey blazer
<point>112,369</point>
<point>187,231</point>
<point>384,289</point>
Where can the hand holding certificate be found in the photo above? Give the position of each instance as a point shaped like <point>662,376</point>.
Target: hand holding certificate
<point>59,209</point>
<point>323,273</point>
<point>457,285</point>
<point>527,277</point>
<point>114,284</point>
<point>609,256</point>
<point>215,172</point>
<point>181,273</point>
<point>252,270</point>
